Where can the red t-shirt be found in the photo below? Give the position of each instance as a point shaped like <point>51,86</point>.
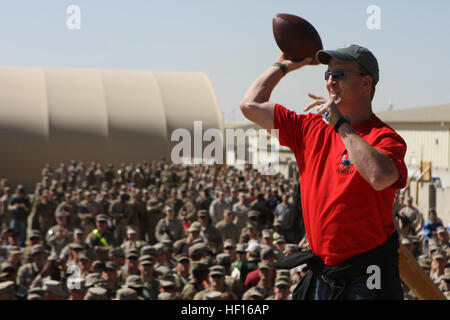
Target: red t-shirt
<point>252,278</point>
<point>343,215</point>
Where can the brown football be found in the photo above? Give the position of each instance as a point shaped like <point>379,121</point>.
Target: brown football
<point>296,37</point>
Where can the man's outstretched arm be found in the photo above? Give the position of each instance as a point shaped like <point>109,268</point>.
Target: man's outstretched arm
<point>256,105</point>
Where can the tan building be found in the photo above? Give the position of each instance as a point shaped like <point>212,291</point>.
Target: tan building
<point>426,131</point>
<point>56,115</point>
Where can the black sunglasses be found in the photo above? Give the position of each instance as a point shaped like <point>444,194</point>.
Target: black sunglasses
<point>338,74</point>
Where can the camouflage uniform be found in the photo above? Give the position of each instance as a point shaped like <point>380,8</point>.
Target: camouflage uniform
<point>27,273</point>
<point>228,230</point>
<point>43,215</point>
<point>190,290</point>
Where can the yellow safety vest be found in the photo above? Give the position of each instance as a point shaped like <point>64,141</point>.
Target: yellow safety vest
<point>102,239</point>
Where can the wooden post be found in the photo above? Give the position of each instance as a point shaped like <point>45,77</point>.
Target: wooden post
<point>415,277</point>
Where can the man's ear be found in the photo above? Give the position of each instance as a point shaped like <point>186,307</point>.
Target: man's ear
<point>367,82</point>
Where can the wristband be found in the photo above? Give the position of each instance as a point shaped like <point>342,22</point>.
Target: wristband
<point>281,66</point>
<point>340,122</point>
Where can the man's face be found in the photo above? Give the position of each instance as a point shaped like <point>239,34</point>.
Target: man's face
<point>132,236</point>
<point>443,237</point>
<point>14,258</point>
<point>183,265</point>
<point>229,216</point>
<point>147,269</point>
<point>132,262</point>
<point>119,260</point>
<point>348,89</point>
<point>101,226</point>
<point>61,221</point>
<point>217,282</point>
<point>170,213</point>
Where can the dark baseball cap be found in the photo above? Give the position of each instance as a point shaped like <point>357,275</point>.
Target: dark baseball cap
<point>352,53</point>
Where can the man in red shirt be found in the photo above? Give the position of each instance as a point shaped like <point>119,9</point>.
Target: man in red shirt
<point>350,165</point>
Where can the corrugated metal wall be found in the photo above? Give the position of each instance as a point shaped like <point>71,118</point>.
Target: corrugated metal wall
<point>425,142</point>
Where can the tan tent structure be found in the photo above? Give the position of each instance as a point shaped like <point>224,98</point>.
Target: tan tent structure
<point>57,115</point>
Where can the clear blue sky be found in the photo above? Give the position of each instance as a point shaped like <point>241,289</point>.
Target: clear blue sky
<point>232,42</point>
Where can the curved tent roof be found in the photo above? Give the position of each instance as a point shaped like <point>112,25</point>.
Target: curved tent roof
<point>57,115</point>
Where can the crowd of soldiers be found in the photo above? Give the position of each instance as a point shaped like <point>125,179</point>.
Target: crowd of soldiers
<point>427,240</point>
<point>151,230</point>
<point>159,231</point>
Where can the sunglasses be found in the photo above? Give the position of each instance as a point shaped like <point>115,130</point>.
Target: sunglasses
<point>338,74</point>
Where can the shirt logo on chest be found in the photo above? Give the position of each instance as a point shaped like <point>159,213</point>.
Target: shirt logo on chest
<point>346,164</point>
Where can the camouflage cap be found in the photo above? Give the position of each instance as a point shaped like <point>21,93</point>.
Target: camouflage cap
<point>148,250</point>
<point>101,217</point>
<point>55,287</point>
<point>163,271</point>
<point>212,295</point>
<point>406,241</point>
<point>36,290</point>
<point>166,296</point>
<point>146,260</point>
<point>110,265</point>
<point>158,247</point>
<point>83,256</point>
<point>223,259</point>
<point>195,227</point>
<point>265,265</point>
<point>34,296</point>
<point>282,284</point>
<point>131,230</point>
<point>253,247</point>
<point>37,248</point>
<point>116,252</point>
<point>14,250</point>
<point>283,278</point>
<point>167,283</point>
<point>241,248</point>
<point>266,233</point>
<point>199,266</point>
<point>202,213</point>
<point>280,239</point>
<point>217,270</point>
<point>75,246</point>
<point>253,292</point>
<point>447,276</point>
<point>92,279</point>
<point>229,244</point>
<point>34,234</point>
<point>253,213</point>
<point>60,214</point>
<point>126,294</point>
<point>181,258</point>
<point>134,281</point>
<point>283,272</point>
<point>438,255</point>
<point>131,253</point>
<point>7,289</point>
<point>197,249</point>
<point>7,266</point>
<point>96,293</point>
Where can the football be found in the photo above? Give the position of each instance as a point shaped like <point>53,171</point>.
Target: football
<point>296,37</point>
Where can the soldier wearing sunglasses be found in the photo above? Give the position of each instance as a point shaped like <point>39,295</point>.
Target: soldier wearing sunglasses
<point>350,164</point>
